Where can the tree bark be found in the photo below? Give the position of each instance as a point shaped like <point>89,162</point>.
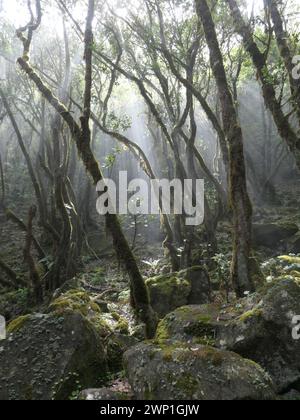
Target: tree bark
<point>82,136</point>
<point>259,60</point>
<point>285,52</point>
<point>240,202</point>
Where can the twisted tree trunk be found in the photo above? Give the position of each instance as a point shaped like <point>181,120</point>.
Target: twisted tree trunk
<point>240,202</point>
<point>259,60</point>
<point>82,137</point>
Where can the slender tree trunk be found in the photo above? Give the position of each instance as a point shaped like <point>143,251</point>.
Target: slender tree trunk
<point>82,137</point>
<point>285,52</point>
<point>259,60</point>
<point>240,202</point>
<point>34,277</point>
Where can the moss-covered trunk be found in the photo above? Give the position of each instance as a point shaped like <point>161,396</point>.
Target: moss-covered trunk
<point>82,137</point>
<point>240,202</point>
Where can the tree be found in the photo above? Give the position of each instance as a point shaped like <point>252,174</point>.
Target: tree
<point>81,134</point>
<point>240,202</point>
<point>259,60</point>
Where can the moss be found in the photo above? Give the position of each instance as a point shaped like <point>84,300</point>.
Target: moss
<point>74,300</point>
<point>210,354</point>
<point>168,283</point>
<point>205,341</point>
<point>162,332</point>
<point>123,326</point>
<point>187,384</point>
<point>295,273</point>
<point>289,259</point>
<point>255,313</point>
<point>200,329</point>
<point>95,307</point>
<point>17,324</point>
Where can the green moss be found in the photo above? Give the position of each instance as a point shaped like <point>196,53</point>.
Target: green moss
<point>95,307</point>
<point>289,259</point>
<point>168,283</point>
<point>17,324</point>
<point>187,384</point>
<point>123,326</point>
<point>295,273</point>
<point>74,300</point>
<point>162,332</point>
<point>255,313</point>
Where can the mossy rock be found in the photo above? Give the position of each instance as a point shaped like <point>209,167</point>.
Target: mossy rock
<point>14,304</point>
<point>193,324</point>
<point>178,371</point>
<point>77,300</point>
<point>49,357</point>
<point>264,333</point>
<point>168,292</point>
<point>17,324</point>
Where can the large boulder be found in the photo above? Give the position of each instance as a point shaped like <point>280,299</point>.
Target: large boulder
<point>197,324</point>
<point>171,291</point>
<point>48,357</point>
<point>168,371</point>
<point>264,334</point>
<point>259,327</point>
<point>271,235</point>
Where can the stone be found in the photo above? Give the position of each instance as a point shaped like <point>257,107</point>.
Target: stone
<point>168,292</point>
<point>48,357</point>
<point>264,334</point>
<point>177,371</point>
<point>271,234</point>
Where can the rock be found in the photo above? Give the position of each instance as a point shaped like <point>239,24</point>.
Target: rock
<point>292,395</point>
<point>270,235</point>
<point>296,245</point>
<point>14,304</point>
<point>72,284</point>
<point>258,328</point>
<point>264,334</point>
<point>192,324</point>
<point>102,305</point>
<point>48,357</point>
<point>104,394</point>
<point>169,371</point>
<point>172,291</point>
<point>117,345</point>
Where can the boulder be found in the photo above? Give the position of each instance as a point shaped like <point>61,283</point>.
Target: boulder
<point>168,371</point>
<point>116,345</point>
<point>292,395</point>
<point>264,334</point>
<point>296,245</point>
<point>270,235</point>
<point>14,304</point>
<point>168,292</point>
<point>198,324</point>
<point>49,357</point>
<point>259,328</point>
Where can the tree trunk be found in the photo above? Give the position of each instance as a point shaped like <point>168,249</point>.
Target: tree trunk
<point>259,60</point>
<point>285,52</point>
<point>82,137</point>
<point>240,202</point>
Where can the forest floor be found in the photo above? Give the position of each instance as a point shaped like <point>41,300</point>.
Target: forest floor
<point>106,284</point>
